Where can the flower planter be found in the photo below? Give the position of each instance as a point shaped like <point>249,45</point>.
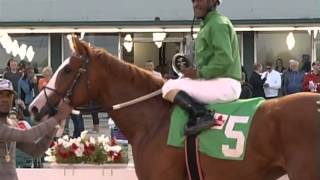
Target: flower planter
<point>87,150</point>
<point>86,166</point>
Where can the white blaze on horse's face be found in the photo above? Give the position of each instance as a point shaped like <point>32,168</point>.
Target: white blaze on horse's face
<point>40,101</point>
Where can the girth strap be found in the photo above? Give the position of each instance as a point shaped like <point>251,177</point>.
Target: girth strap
<point>192,158</point>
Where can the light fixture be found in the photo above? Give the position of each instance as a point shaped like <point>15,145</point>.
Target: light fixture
<point>158,38</point>
<point>291,41</point>
<point>22,51</point>
<point>7,44</point>
<point>128,44</point>
<point>30,53</point>
<point>158,44</point>
<point>195,35</point>
<point>15,48</point>
<point>12,47</point>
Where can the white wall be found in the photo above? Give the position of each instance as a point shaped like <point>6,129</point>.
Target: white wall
<point>138,10</point>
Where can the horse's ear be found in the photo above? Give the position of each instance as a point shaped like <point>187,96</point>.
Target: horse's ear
<point>75,45</point>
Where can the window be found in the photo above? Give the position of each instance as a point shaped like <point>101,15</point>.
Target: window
<point>105,41</point>
<point>144,49</point>
<point>317,45</point>
<point>39,43</point>
<point>318,50</point>
<point>273,45</point>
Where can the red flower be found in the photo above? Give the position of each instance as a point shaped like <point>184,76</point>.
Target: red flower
<point>88,149</point>
<point>115,156</point>
<point>74,147</point>
<point>63,153</point>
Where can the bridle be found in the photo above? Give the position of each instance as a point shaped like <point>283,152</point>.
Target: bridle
<point>52,109</point>
<point>82,70</point>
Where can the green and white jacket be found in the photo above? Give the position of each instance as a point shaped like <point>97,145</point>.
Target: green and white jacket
<point>217,48</point>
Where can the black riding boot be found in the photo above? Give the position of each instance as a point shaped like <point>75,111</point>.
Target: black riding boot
<point>201,118</point>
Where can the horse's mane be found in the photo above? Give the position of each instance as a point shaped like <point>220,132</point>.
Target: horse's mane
<point>138,76</point>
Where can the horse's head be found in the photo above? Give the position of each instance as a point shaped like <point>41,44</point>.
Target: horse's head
<point>72,80</point>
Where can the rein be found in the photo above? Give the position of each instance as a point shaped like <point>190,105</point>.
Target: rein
<point>136,100</point>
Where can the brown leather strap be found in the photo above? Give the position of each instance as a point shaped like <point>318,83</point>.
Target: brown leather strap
<point>192,158</point>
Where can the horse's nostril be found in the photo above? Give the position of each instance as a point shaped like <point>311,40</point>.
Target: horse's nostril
<point>34,110</point>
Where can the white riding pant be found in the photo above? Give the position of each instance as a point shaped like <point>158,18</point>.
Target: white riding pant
<point>206,91</point>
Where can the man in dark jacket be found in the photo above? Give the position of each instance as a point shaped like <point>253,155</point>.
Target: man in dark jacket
<point>293,80</point>
<point>256,81</point>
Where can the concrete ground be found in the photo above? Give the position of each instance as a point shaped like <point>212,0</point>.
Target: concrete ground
<point>88,125</point>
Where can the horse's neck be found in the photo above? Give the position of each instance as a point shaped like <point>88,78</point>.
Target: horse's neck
<point>129,83</point>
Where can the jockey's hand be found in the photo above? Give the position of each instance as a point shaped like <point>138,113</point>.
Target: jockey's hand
<point>190,73</point>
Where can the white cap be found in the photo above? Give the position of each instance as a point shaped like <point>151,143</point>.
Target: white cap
<point>6,85</point>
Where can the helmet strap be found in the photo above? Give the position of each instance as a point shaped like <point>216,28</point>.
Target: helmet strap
<point>192,26</point>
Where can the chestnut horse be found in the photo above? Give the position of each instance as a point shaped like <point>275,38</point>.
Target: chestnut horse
<point>284,137</point>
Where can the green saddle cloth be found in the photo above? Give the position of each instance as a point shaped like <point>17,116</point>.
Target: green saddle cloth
<point>224,141</point>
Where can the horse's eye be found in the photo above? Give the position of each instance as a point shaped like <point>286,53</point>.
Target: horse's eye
<point>67,70</point>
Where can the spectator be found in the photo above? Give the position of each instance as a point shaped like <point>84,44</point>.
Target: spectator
<point>26,87</point>
<point>246,87</point>
<point>46,73</point>
<point>256,81</point>
<point>150,67</point>
<point>311,81</point>
<point>306,63</point>
<point>12,73</point>
<point>92,109</point>
<point>293,79</point>
<point>273,83</point>
<point>279,66</point>
<point>78,123</point>
<point>22,66</point>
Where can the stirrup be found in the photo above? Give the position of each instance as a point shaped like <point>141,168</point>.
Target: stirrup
<point>197,128</point>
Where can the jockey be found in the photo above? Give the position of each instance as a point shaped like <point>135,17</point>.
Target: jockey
<point>218,74</point>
